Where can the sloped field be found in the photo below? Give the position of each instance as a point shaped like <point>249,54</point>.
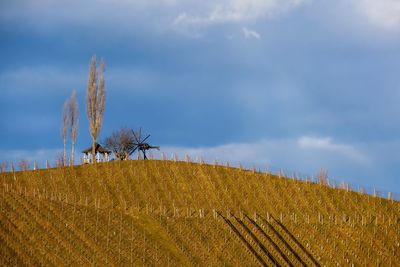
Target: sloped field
<point>177,213</point>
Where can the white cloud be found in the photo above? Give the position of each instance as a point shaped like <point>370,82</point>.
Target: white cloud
<point>130,16</point>
<point>240,152</point>
<point>326,144</point>
<point>382,13</point>
<point>303,154</point>
<point>233,11</point>
<point>40,156</point>
<point>248,34</point>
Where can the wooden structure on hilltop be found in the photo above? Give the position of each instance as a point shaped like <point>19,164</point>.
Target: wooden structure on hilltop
<point>102,154</point>
<point>140,144</point>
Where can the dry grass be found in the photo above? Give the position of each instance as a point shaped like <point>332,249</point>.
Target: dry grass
<point>179,213</point>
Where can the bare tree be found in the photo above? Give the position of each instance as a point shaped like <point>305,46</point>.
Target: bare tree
<point>23,165</point>
<point>64,129</point>
<point>323,176</point>
<point>95,101</point>
<point>73,122</point>
<point>3,166</point>
<point>121,143</point>
<point>59,163</point>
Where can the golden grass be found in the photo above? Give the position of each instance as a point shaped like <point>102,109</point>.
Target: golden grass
<point>178,213</point>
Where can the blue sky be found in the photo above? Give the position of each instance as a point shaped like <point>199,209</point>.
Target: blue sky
<point>291,84</point>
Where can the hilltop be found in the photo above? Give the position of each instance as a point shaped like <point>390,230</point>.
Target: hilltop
<point>178,213</point>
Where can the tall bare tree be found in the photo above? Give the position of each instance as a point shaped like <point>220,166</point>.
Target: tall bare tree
<point>73,122</point>
<point>64,129</point>
<point>95,100</point>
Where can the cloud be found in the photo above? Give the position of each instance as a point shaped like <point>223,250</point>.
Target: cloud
<point>382,13</point>
<point>304,153</point>
<point>40,156</point>
<point>133,17</point>
<point>248,34</point>
<point>233,11</point>
<point>326,144</point>
<point>234,152</point>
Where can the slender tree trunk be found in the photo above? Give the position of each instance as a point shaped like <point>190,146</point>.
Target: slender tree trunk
<point>94,151</point>
<point>65,152</point>
<point>64,130</point>
<point>74,123</point>
<point>72,154</point>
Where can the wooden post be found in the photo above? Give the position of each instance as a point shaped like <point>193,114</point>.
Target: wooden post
<point>119,242</point>
<point>132,242</point>
<point>108,229</point>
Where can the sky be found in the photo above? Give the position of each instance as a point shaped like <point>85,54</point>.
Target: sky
<point>293,84</point>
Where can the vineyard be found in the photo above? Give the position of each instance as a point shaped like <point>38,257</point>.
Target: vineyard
<point>168,213</point>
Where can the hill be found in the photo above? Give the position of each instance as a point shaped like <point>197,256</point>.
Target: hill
<point>176,213</point>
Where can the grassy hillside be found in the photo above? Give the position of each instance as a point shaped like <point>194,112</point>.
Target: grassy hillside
<point>177,213</point>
